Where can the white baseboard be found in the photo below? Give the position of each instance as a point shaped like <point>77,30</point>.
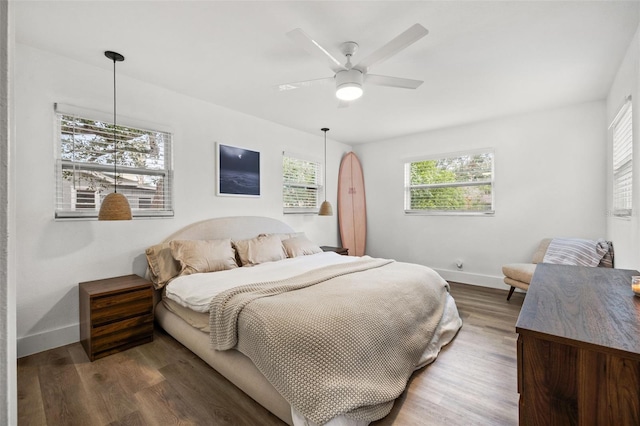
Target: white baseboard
<point>474,279</point>
<point>48,340</point>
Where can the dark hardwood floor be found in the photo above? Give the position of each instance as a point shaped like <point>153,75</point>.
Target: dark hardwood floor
<point>473,381</point>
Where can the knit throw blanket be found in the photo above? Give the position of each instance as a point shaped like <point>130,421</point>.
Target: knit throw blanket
<point>342,339</point>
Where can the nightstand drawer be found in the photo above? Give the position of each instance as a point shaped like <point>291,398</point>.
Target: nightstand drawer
<point>121,333</point>
<point>111,308</point>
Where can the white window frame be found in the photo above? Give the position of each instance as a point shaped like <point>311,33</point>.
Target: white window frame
<point>463,184</point>
<point>317,186</point>
<point>622,161</point>
<point>75,204</point>
<point>65,193</point>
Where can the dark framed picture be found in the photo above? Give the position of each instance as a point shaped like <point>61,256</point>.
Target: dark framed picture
<point>238,171</point>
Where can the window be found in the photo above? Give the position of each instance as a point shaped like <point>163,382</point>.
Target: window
<point>450,184</point>
<point>85,199</point>
<point>622,160</point>
<point>85,172</point>
<point>301,184</point>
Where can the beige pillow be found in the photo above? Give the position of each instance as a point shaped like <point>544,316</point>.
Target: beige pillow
<point>300,246</point>
<point>197,256</point>
<point>162,265</point>
<point>263,248</point>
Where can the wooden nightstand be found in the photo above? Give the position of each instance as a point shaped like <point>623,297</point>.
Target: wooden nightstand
<point>115,314</point>
<point>340,250</point>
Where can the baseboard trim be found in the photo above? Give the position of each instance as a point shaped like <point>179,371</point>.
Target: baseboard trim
<point>473,279</point>
<point>35,343</point>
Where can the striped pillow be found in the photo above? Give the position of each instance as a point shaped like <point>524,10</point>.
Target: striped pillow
<point>576,251</point>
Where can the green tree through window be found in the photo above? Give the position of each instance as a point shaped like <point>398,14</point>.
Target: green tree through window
<point>301,184</point>
<point>457,183</point>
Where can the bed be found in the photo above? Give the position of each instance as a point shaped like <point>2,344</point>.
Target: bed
<point>265,325</point>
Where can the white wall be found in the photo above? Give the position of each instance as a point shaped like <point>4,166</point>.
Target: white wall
<point>625,232</point>
<point>54,256</point>
<point>549,181</point>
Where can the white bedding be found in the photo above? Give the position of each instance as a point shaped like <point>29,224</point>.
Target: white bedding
<point>196,291</point>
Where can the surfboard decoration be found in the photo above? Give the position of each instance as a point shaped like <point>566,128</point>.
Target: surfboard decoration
<point>352,207</point>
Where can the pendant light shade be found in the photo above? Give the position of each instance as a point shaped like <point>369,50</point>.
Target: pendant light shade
<point>325,207</point>
<point>114,206</point>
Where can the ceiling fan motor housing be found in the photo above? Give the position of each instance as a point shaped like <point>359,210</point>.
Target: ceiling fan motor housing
<point>349,84</point>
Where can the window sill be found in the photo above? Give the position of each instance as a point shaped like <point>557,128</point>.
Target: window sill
<point>446,213</point>
<point>308,213</point>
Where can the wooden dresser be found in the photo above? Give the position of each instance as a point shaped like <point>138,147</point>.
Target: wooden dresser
<point>579,348</point>
<point>115,314</point>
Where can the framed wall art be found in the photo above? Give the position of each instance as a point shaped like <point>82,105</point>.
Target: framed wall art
<point>238,171</point>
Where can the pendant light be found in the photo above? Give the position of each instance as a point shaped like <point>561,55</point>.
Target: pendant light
<point>325,207</point>
<point>114,206</point>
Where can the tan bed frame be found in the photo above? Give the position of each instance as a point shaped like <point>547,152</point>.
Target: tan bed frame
<point>233,365</point>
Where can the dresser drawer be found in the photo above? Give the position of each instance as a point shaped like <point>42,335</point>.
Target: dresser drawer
<point>120,333</point>
<point>112,308</point>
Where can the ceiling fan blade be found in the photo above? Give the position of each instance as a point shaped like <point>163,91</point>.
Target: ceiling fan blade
<point>404,40</point>
<point>307,83</point>
<point>314,48</point>
<point>384,80</point>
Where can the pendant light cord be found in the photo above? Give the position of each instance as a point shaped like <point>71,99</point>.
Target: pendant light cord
<point>324,129</point>
<point>115,140</point>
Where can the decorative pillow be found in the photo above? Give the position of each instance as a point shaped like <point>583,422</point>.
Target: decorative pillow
<point>162,265</point>
<point>263,248</point>
<point>576,251</point>
<point>196,256</point>
<point>300,246</point>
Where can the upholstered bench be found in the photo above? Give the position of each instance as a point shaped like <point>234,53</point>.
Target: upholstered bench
<point>518,275</point>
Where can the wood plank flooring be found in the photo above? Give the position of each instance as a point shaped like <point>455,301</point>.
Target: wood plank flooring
<point>473,381</point>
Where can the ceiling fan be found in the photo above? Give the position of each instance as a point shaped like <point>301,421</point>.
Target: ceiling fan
<point>350,78</point>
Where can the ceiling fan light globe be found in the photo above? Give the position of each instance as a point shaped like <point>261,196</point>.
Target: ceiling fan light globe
<point>349,84</point>
<point>349,92</point>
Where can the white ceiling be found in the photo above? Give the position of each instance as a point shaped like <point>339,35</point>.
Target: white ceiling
<point>480,59</point>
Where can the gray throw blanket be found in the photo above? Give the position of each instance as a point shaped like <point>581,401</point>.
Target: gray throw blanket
<point>347,345</point>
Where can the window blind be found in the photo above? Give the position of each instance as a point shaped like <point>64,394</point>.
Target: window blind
<point>623,160</point>
<point>453,183</point>
<point>301,184</point>
<point>85,167</point>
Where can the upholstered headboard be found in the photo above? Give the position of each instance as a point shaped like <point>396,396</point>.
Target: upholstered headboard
<point>234,227</point>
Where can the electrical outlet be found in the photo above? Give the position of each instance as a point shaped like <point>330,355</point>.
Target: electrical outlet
<point>459,265</point>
